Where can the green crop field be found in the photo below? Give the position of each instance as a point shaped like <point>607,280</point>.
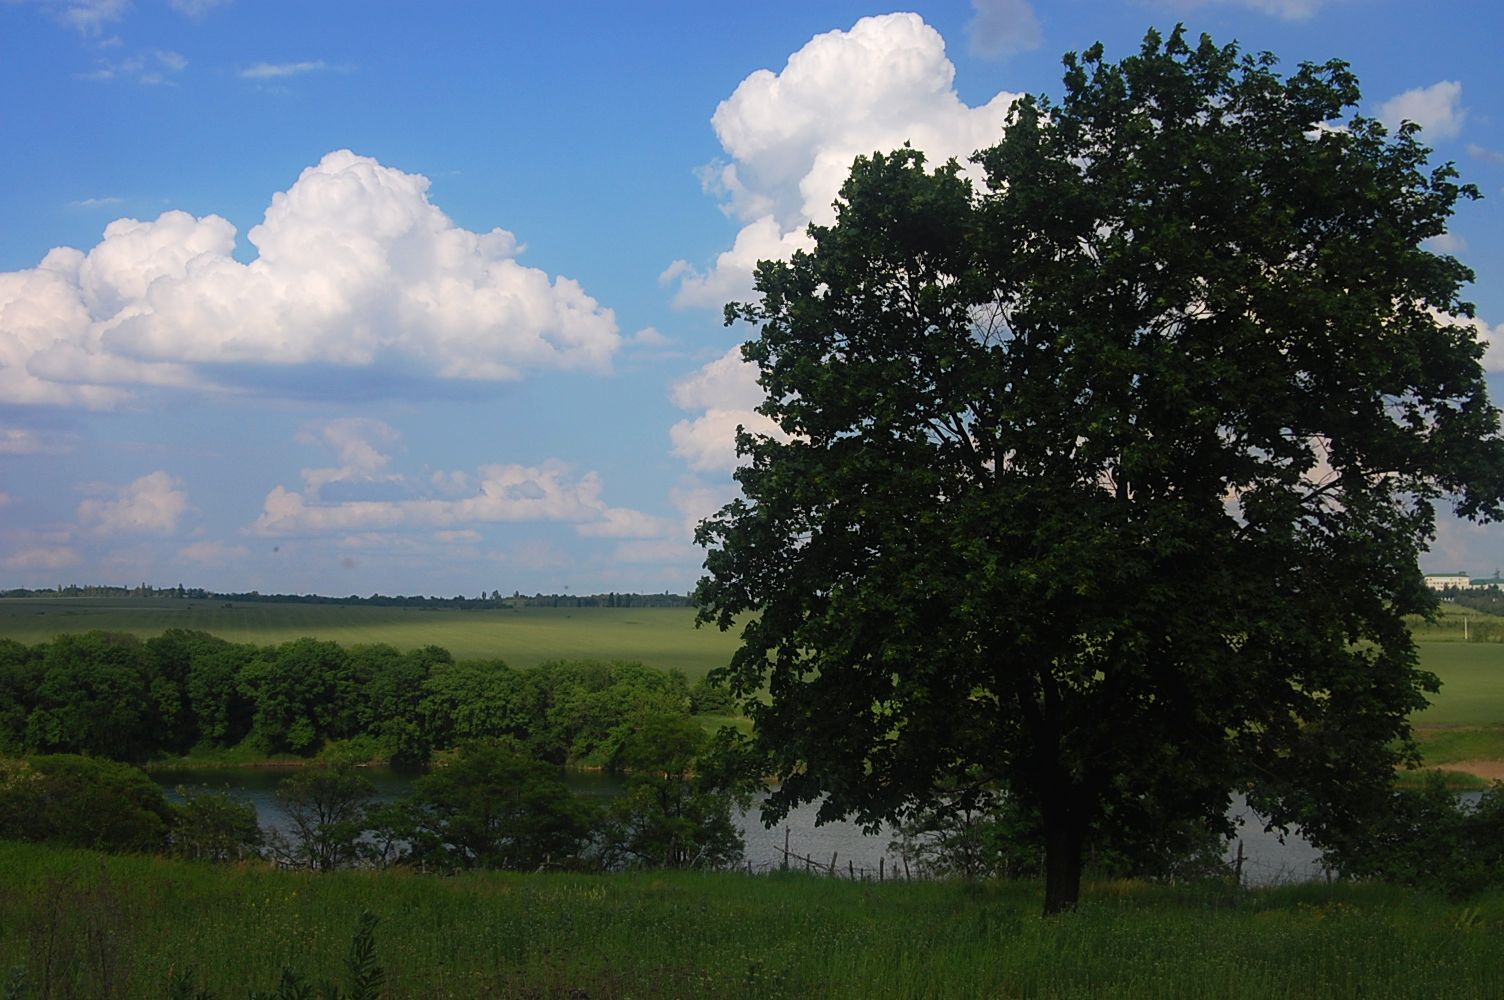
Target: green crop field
<point>659,637</point>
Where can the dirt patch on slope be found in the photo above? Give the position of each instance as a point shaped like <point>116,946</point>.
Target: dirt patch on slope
<point>1488,770</point>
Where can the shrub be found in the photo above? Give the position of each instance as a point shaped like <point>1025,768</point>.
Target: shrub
<point>82,802</point>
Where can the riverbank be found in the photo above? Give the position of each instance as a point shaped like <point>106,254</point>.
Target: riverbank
<point>136,923</point>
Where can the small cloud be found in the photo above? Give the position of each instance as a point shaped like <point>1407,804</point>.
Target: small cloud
<point>620,522</point>
<point>6,499</point>
<point>1447,243</point>
<point>1288,10</point>
<point>213,553</point>
<point>277,71</point>
<point>43,558</point>
<point>150,69</point>
<point>87,17</point>
<point>197,9</point>
<point>465,537</point>
<point>1003,28</point>
<point>25,441</point>
<point>152,504</point>
<point>1491,155</point>
<point>648,337</point>
<point>1437,109</point>
<point>356,439</point>
<point>499,494</point>
<point>95,202</point>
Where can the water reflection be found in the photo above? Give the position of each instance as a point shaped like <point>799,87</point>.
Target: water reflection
<point>1266,860</point>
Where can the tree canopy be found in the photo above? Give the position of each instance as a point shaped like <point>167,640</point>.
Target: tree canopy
<point>1102,481</point>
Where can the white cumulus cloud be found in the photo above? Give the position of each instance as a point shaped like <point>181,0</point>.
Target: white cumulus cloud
<point>791,137</point>
<point>728,393</point>
<point>1437,109</point>
<point>356,269</point>
<point>152,505</point>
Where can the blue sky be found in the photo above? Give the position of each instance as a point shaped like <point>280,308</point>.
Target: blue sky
<point>374,297</point>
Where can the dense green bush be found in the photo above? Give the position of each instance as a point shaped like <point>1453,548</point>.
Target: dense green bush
<point>82,802</point>
<point>326,804</point>
<point>213,826</point>
<point>490,806</point>
<point>674,813</point>
<point>1430,838</point>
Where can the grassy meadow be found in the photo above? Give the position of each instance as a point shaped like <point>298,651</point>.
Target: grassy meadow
<point>660,637</point>
<point>104,926</point>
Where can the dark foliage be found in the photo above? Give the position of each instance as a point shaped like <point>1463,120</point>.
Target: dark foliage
<point>82,802</point>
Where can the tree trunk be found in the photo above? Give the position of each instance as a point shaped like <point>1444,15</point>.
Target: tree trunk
<point>1064,839</point>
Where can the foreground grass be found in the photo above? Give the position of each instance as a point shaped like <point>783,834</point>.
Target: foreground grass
<point>102,926</point>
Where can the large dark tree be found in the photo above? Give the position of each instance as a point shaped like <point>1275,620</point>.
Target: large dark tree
<point>1104,485</point>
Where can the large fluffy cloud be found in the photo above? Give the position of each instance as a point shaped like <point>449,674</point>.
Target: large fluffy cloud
<point>356,268</point>
<point>791,136</point>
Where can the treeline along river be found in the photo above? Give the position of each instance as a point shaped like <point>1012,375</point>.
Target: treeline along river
<point>191,693</point>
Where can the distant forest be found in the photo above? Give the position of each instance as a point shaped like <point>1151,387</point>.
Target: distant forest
<point>1486,599</point>
<point>480,603</point>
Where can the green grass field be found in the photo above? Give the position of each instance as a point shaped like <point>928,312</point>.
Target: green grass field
<point>97,926</point>
<point>1472,683</point>
<point>1472,673</point>
<point>659,637</point>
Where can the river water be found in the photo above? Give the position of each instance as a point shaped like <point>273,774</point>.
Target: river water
<point>1266,860</point>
